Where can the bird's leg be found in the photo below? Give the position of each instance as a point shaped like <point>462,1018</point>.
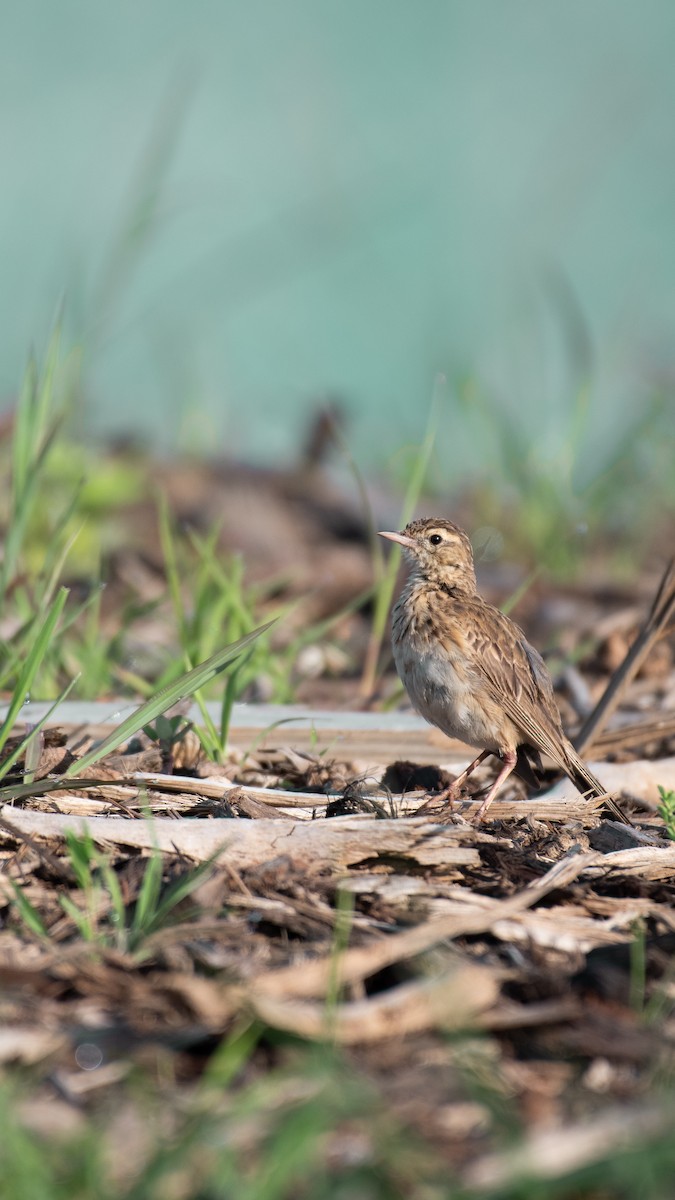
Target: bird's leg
<point>509,759</point>
<point>451,791</point>
<point>454,787</point>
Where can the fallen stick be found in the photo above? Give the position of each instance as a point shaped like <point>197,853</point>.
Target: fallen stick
<point>556,1153</point>
<point>638,733</point>
<point>643,862</point>
<point>452,1000</point>
<point>334,844</point>
<point>217,787</point>
<point>312,977</point>
<point>660,615</point>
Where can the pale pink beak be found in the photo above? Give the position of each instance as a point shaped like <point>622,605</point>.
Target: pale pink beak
<point>400,538</point>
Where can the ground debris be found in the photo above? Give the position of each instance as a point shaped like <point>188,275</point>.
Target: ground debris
<point>378,932</point>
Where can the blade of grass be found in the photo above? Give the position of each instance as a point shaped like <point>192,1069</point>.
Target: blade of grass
<point>208,735</point>
<point>155,904</point>
<point>166,698</point>
<point>45,392</point>
<point>260,737</point>
<point>32,664</point>
<point>61,544</point>
<point>117,905</point>
<point>24,431</point>
<point>8,763</point>
<point>209,738</point>
<point>33,748</point>
<point>229,697</point>
<point>148,896</point>
<point>344,917</point>
<point>167,544</point>
<point>157,913</point>
<point>81,852</point>
<point>42,787</point>
<point>522,590</point>
<point>81,918</point>
<point>230,1056</point>
<point>27,911</point>
<point>31,444</point>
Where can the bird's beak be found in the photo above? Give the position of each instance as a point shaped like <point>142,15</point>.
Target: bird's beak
<point>400,538</point>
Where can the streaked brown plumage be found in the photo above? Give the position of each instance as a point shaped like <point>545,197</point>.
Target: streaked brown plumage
<point>470,670</point>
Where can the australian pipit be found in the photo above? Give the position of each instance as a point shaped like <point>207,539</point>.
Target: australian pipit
<point>470,670</point>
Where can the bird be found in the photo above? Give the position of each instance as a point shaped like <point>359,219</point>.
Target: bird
<point>470,670</point>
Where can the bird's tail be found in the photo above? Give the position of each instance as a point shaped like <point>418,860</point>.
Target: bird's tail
<point>586,781</point>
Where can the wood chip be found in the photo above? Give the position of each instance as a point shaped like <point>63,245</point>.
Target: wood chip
<point>646,863</point>
<point>332,845</point>
<point>450,1001</point>
<point>26,1044</point>
<point>311,977</point>
<point>555,1153</point>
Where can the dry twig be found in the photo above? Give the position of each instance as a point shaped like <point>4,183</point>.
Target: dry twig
<point>660,616</point>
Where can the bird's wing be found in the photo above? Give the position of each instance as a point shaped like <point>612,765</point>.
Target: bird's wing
<point>518,680</point>
<point>516,677</point>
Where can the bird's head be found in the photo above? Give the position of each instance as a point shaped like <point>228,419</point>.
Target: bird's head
<point>439,552</point>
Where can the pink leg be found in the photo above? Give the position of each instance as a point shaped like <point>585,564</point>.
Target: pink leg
<point>451,791</point>
<point>509,759</point>
<point>454,787</point>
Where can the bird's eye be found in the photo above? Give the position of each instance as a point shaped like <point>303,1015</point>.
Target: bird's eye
<point>435,539</point>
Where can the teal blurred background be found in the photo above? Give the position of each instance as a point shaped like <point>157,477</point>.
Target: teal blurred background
<point>250,206</point>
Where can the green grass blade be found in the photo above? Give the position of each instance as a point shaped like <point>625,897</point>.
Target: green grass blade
<point>171,571</point>
<point>148,897</point>
<point>8,763</point>
<point>81,852</point>
<point>229,697</point>
<point>42,787</point>
<point>155,905</point>
<point>16,533</point>
<point>260,737</point>
<point>230,1056</point>
<point>44,398</point>
<point>208,734</point>
<point>24,439</point>
<point>179,891</point>
<point>27,911</point>
<point>117,906</point>
<point>32,755</point>
<point>60,546</point>
<point>81,918</point>
<point>32,664</point>
<point>522,590</point>
<point>166,698</point>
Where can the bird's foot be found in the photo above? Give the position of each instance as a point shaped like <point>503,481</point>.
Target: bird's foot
<point>444,814</point>
<point>486,796</point>
<point>439,803</point>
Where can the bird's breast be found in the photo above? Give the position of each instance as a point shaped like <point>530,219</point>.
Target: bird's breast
<point>441,683</point>
<point>437,686</point>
